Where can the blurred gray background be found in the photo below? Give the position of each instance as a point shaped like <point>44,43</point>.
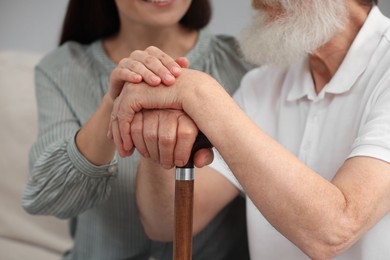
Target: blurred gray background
<point>34,25</point>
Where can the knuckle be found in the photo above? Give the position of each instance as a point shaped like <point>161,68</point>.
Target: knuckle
<point>123,117</point>
<point>149,60</point>
<point>133,66</point>
<point>150,136</point>
<point>187,132</point>
<point>122,73</point>
<point>167,140</point>
<point>136,128</point>
<point>134,76</point>
<point>151,49</point>
<point>122,63</point>
<point>136,53</point>
<point>163,56</point>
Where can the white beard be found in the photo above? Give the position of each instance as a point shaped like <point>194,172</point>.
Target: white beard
<point>303,27</point>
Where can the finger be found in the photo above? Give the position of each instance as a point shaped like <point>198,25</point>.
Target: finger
<point>137,134</point>
<point>150,133</point>
<point>170,68</point>
<point>167,130</point>
<point>203,157</point>
<point>186,135</point>
<point>115,130</point>
<point>114,127</point>
<point>165,59</point>
<point>183,62</point>
<point>109,132</point>
<point>122,74</point>
<point>129,76</point>
<point>124,130</point>
<point>149,67</point>
<point>125,114</point>
<point>117,138</point>
<point>118,77</point>
<point>136,65</point>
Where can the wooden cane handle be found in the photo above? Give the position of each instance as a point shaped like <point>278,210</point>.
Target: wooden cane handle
<point>200,143</point>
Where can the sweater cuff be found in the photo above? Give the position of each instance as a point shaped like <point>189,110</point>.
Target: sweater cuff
<point>86,167</point>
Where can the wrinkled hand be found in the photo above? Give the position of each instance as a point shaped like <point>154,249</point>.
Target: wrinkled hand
<point>166,137</point>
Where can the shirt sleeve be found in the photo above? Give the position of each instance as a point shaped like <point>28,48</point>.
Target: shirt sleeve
<point>374,134</point>
<point>61,181</point>
<point>222,168</point>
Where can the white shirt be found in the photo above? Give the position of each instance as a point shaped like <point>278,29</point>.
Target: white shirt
<point>349,117</point>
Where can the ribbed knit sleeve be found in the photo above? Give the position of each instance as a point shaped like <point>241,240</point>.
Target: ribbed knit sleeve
<point>61,181</point>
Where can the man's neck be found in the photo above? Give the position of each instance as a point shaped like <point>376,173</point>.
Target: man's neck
<point>326,60</point>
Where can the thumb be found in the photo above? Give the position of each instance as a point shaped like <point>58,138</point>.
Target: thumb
<point>203,157</point>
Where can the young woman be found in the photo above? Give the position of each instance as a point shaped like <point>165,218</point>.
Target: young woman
<point>74,171</point>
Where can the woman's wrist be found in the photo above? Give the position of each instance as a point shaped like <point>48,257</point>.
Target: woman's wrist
<point>108,101</point>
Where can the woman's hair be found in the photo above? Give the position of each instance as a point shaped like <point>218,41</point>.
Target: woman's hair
<point>89,20</point>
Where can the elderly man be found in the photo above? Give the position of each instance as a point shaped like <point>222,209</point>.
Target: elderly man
<point>308,143</point>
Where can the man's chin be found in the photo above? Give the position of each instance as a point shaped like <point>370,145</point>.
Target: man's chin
<point>274,62</point>
<point>291,37</point>
<point>265,52</point>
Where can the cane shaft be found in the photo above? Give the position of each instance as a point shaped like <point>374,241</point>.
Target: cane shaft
<point>184,199</point>
<point>184,203</point>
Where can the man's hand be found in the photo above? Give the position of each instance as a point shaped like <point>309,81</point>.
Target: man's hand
<point>167,137</point>
<point>164,136</point>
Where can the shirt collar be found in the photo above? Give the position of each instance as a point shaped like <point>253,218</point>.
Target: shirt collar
<point>353,65</point>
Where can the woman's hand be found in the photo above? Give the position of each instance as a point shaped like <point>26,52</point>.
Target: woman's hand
<point>151,65</point>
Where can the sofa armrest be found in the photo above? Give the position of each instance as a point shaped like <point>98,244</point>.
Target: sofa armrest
<point>35,237</point>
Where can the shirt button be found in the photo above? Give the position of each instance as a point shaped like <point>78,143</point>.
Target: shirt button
<point>112,169</point>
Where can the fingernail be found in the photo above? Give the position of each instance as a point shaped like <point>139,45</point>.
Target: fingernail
<point>179,163</point>
<point>137,77</point>
<point>169,77</point>
<point>155,79</point>
<point>176,70</point>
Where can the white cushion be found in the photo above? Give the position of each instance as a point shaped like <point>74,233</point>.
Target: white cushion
<point>25,234</point>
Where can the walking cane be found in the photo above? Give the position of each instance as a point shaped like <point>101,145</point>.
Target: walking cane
<point>184,199</point>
